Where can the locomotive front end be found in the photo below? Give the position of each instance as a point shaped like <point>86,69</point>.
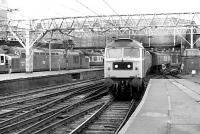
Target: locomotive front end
<point>123,67</point>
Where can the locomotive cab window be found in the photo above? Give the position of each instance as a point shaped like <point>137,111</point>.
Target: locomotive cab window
<point>114,53</point>
<point>131,52</point>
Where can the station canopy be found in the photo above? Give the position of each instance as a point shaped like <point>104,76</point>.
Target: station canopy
<point>98,30</point>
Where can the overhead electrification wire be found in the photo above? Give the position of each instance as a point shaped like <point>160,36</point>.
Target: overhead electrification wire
<point>87,7</point>
<point>12,11</point>
<point>7,9</point>
<point>110,7</point>
<point>72,9</point>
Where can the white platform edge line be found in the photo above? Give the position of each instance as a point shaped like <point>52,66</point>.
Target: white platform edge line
<point>138,109</point>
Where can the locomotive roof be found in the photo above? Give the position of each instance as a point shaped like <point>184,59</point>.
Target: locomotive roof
<point>125,42</point>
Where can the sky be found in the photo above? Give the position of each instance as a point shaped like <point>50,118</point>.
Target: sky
<point>31,9</point>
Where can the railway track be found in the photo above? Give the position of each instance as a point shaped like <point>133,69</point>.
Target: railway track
<point>103,115</point>
<point>18,115</point>
<point>83,109</point>
<point>100,114</point>
<point>172,76</point>
<point>8,107</point>
<point>109,119</point>
<point>43,91</point>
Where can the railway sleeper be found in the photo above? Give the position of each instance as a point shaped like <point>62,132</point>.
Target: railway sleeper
<point>106,122</point>
<point>93,131</point>
<point>102,126</point>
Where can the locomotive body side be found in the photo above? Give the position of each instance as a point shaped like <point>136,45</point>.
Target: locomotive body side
<point>15,62</point>
<point>3,66</point>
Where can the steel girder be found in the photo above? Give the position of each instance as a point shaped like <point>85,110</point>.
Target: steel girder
<point>104,26</point>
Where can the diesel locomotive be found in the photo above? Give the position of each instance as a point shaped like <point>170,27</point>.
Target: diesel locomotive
<point>126,64</point>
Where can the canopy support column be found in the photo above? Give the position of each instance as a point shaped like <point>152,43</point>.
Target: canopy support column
<point>29,53</point>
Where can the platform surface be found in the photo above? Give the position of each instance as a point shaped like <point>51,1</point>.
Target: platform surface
<point>43,73</point>
<point>194,78</point>
<point>169,106</point>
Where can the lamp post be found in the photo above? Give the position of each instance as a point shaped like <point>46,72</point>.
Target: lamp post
<point>49,42</point>
<point>49,55</point>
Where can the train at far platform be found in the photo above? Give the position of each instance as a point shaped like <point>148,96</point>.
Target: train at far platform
<point>127,63</point>
<point>13,59</point>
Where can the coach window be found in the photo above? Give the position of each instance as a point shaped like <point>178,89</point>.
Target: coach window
<point>131,53</point>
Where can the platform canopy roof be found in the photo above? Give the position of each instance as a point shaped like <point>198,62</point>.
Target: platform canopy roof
<point>88,29</point>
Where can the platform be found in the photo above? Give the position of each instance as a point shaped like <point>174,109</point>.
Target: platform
<point>19,82</point>
<point>194,78</point>
<point>169,106</point>
<point>43,73</point>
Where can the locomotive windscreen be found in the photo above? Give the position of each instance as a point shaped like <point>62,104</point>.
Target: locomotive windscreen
<point>131,53</point>
<point>114,53</point>
<point>123,53</point>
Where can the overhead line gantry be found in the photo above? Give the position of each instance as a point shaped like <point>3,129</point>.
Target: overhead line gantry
<point>31,32</point>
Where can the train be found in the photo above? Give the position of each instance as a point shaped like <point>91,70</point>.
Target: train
<point>13,60</point>
<point>127,63</point>
<point>96,59</point>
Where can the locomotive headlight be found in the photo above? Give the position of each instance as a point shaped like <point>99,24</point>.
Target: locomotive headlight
<point>128,66</point>
<point>116,66</point>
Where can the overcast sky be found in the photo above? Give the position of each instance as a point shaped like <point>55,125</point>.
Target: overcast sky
<point>65,8</point>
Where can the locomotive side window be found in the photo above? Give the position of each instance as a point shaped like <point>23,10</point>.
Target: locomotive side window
<point>165,58</point>
<point>86,59</point>
<point>23,55</point>
<point>95,58</point>
<point>131,53</point>
<point>37,53</point>
<point>2,59</point>
<point>114,53</point>
<point>76,59</point>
